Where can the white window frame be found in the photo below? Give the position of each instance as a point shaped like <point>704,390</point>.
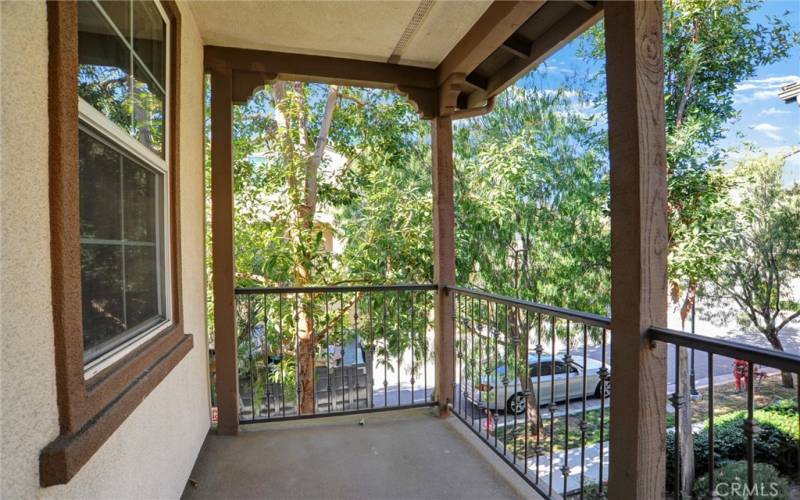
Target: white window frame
<point>91,117</point>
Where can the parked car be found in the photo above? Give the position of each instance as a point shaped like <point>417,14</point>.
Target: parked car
<point>491,392</point>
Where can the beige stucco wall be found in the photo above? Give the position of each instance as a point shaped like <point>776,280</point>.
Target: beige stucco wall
<point>151,454</point>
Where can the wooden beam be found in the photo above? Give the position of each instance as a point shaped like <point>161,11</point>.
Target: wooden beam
<point>444,257</point>
<point>222,250</point>
<point>477,82</point>
<point>636,130</point>
<point>500,21</point>
<point>321,69</point>
<point>518,46</point>
<point>448,94</point>
<point>566,29</point>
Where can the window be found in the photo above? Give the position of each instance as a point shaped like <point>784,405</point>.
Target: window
<point>122,89</point>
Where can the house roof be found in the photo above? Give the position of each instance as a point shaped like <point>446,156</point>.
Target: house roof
<point>790,93</point>
<point>447,56</point>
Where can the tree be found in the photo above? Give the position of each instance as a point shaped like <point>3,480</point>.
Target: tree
<point>709,47</point>
<point>759,262</point>
<point>531,221</point>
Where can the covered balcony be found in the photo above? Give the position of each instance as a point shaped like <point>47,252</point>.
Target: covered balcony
<point>375,390</point>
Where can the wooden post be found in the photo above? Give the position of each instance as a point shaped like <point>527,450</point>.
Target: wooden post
<point>222,251</point>
<point>635,79</point>
<point>444,256</point>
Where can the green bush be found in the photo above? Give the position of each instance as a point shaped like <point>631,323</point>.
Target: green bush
<point>776,443</point>
<point>731,482</point>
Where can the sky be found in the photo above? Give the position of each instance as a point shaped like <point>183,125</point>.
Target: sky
<point>765,120</point>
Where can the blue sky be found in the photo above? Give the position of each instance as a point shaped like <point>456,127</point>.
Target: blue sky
<point>765,121</point>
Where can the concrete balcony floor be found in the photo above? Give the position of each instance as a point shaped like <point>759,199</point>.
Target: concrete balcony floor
<point>403,454</point>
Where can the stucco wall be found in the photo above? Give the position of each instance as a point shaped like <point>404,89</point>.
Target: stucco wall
<point>152,452</point>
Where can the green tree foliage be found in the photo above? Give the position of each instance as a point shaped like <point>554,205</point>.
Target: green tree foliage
<point>532,193</point>
<point>758,257</point>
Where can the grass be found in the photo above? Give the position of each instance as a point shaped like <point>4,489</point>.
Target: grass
<point>726,400</point>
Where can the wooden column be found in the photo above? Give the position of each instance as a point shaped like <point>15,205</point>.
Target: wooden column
<point>444,256</point>
<point>635,79</point>
<point>222,250</point>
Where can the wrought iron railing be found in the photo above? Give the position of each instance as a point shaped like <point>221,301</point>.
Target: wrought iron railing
<point>750,365</point>
<point>311,351</point>
<point>533,382</point>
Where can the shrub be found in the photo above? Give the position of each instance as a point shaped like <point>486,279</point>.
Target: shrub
<point>776,443</point>
<point>731,482</point>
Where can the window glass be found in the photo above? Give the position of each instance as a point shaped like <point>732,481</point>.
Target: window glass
<point>103,66</point>
<point>148,110</point>
<point>122,255</point>
<point>149,34</point>
<point>122,57</point>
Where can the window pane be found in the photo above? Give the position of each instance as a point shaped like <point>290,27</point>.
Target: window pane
<point>104,66</point>
<point>120,13</point>
<point>149,34</point>
<point>148,111</point>
<point>101,291</point>
<point>139,185</point>
<point>99,190</point>
<point>141,284</point>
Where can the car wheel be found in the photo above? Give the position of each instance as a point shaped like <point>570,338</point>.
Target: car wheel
<point>516,404</point>
<point>599,389</point>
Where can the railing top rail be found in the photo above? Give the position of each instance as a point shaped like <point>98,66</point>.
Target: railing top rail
<point>767,357</point>
<point>336,289</point>
<point>560,312</point>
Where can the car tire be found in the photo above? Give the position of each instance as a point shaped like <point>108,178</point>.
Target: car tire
<point>599,388</point>
<point>516,404</point>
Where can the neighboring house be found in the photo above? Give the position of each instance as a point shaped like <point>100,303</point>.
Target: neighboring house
<point>789,93</point>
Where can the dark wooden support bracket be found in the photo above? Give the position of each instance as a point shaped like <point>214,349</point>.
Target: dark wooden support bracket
<point>449,92</point>
<point>245,83</point>
<point>423,100</point>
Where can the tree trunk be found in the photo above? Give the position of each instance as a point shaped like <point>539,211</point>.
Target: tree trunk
<point>786,377</point>
<point>531,405</point>
<point>685,427</point>
<point>306,347</point>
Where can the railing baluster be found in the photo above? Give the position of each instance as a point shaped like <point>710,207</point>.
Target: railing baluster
<point>676,405</point>
<point>496,334</point>
<point>329,376</point>
<point>297,363</point>
<point>603,376</point>
<point>344,388</point>
<point>282,366</point>
<point>250,355</point>
<point>527,385</point>
<point>567,368</point>
<point>505,380</point>
<point>552,406</point>
<point>413,367</point>
<point>370,362</point>
<point>750,430</point>
<point>583,425</point>
<point>515,353</point>
<point>711,478</point>
<point>539,350</point>
<point>266,360</point>
<point>357,346</point>
<point>399,331</point>
<point>385,355</point>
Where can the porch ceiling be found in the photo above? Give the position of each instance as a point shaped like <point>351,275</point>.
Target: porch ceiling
<point>415,33</point>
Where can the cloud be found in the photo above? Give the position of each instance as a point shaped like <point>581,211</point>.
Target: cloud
<point>769,130</point>
<point>762,89</point>
<point>774,111</point>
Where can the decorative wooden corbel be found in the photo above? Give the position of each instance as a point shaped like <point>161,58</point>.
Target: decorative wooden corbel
<point>245,83</point>
<point>449,91</point>
<point>423,100</point>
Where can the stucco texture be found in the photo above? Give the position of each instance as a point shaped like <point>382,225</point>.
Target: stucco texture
<point>153,451</point>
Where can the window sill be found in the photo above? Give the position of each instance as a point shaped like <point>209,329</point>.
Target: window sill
<point>60,460</point>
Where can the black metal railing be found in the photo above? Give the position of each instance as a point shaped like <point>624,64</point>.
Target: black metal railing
<point>311,351</point>
<point>533,382</point>
<point>765,398</point>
